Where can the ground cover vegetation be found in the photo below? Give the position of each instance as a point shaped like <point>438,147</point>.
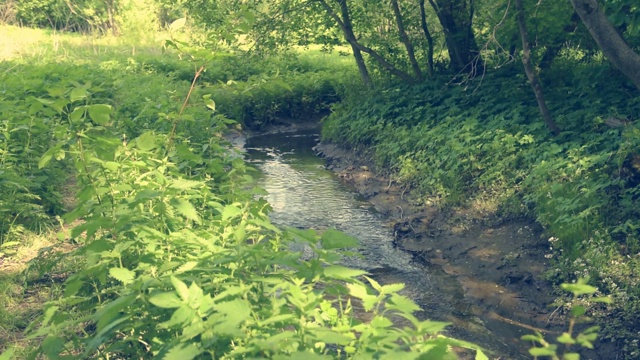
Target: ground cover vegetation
<point>525,107</point>
<point>164,250</point>
<point>438,97</point>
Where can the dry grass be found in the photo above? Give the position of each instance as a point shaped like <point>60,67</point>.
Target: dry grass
<point>25,44</point>
<point>21,301</point>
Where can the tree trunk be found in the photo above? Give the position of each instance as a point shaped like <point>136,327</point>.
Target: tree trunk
<point>610,41</point>
<point>427,34</point>
<point>347,29</point>
<point>456,18</point>
<point>111,21</point>
<point>528,69</point>
<point>406,41</point>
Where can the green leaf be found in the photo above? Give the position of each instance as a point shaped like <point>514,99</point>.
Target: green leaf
<point>181,288</point>
<point>433,327</point>
<point>282,318</point>
<point>189,265</point>
<point>566,338</point>
<point>183,352</point>
<point>77,114</point>
<point>481,355</point>
<point>47,156</point>
<point>48,315</point>
<point>182,315</point>
<point>185,208</point>
<point>579,289</point>
<point>402,303</point>
<point>56,105</point>
<point>334,239</point>
<point>110,312</point>
<point>530,337</point>
<point>195,295</point>
<point>391,288</point>
<point>376,286</point>
<point>111,166</point>
<point>146,141</point>
<point>578,310</point>
<point>165,300</point>
<point>78,94</point>
<point>100,113</point>
<point>341,272</point>
<point>235,312</point>
<point>211,104</point>
<point>381,322</point>
<point>72,286</point>
<point>178,24</point>
<point>123,275</point>
<point>358,290</point>
<point>7,354</point>
<point>308,235</point>
<point>52,346</point>
<point>545,351</point>
<point>571,356</point>
<point>230,211</point>
<point>184,184</point>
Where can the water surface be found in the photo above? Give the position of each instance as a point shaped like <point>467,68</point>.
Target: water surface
<point>304,194</point>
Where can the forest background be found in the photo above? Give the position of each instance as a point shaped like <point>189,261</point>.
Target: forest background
<point>521,108</point>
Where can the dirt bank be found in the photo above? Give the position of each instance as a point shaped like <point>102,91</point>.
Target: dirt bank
<point>498,264</point>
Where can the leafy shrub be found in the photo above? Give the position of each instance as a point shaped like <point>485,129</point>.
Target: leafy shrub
<point>86,15</point>
<point>179,260</point>
<point>175,257</point>
<point>453,145</point>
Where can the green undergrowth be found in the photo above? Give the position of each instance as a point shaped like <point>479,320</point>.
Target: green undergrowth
<point>483,144</point>
<point>144,85</point>
<point>166,249</point>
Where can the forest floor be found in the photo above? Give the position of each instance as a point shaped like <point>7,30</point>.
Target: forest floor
<point>499,263</point>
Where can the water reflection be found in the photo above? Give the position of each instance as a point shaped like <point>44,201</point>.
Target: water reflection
<point>305,195</point>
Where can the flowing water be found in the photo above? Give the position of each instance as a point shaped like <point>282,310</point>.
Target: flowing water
<point>304,194</point>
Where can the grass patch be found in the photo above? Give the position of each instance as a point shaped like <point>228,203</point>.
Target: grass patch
<point>23,293</point>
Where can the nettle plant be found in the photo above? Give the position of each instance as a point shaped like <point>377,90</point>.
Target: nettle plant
<point>177,259</point>
<point>568,344</point>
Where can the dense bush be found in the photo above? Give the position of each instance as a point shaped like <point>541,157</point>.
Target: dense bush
<point>82,16</point>
<point>484,142</point>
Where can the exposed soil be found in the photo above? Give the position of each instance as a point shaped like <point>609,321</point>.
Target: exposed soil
<point>499,264</point>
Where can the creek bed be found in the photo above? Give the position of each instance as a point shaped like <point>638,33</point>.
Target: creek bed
<point>303,194</point>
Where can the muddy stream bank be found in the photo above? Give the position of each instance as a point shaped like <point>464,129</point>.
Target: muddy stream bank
<point>485,279</point>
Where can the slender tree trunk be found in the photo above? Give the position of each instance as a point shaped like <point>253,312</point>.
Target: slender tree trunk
<point>111,21</point>
<point>427,34</point>
<point>528,69</point>
<point>357,54</point>
<point>406,41</point>
<point>362,66</point>
<point>347,29</point>
<point>619,53</point>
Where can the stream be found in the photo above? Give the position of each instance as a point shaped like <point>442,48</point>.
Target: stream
<point>304,194</point>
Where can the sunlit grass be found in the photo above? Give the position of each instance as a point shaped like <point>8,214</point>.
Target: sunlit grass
<point>25,44</point>
<point>22,298</point>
